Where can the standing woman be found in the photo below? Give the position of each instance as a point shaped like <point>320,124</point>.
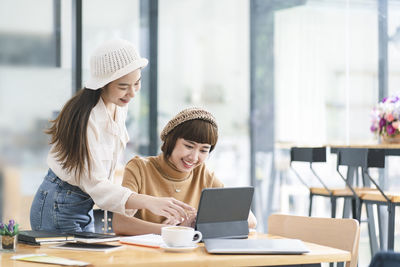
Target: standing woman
<point>87,138</point>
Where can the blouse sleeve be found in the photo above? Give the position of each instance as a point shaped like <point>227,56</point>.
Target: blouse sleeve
<point>105,194</point>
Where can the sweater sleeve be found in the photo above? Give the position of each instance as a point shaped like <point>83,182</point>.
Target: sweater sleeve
<point>133,175</point>
<point>214,181</point>
<point>105,194</point>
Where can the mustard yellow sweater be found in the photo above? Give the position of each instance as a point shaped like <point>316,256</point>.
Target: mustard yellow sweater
<point>157,177</point>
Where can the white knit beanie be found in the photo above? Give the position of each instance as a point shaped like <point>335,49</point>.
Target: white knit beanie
<point>112,60</point>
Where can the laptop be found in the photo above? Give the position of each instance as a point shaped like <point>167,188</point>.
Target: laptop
<point>223,212</point>
<point>256,246</point>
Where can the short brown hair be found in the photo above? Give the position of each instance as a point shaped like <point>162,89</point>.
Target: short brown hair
<point>199,131</point>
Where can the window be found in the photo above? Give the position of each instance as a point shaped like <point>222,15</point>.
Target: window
<point>326,71</point>
<point>33,66</point>
<point>203,55</point>
<point>103,20</point>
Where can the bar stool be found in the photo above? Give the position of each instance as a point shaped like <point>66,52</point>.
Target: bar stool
<point>314,155</point>
<point>354,159</point>
<point>379,197</point>
<point>391,200</point>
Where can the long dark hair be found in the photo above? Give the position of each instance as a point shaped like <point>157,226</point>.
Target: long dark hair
<point>69,131</point>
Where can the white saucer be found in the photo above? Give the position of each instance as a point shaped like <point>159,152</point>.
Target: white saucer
<point>179,249</point>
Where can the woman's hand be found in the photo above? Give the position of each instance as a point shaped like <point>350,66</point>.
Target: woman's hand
<point>168,207</point>
<point>252,221</point>
<point>171,221</point>
<point>190,220</point>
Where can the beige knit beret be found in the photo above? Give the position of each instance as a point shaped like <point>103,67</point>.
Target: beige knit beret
<point>187,115</point>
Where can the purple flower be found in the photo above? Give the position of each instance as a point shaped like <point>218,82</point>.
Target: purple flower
<point>11,222</point>
<point>373,128</point>
<point>390,130</point>
<point>394,99</point>
<point>382,122</point>
<point>10,228</point>
<point>384,99</point>
<point>1,225</point>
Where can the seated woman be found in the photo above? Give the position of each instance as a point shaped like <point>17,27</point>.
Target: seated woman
<point>179,172</point>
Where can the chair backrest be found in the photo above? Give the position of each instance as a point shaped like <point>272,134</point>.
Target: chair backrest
<point>98,215</point>
<point>308,154</point>
<point>342,234</point>
<point>385,259</point>
<point>361,157</point>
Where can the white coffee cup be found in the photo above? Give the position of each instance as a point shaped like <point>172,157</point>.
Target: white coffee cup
<point>180,236</point>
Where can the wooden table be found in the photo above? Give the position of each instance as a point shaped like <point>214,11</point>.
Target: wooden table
<point>142,256</point>
<point>390,149</point>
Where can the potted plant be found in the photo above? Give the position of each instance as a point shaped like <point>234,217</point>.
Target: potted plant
<point>386,119</point>
<point>9,233</point>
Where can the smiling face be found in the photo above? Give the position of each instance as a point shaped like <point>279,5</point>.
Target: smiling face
<point>189,144</point>
<point>188,154</point>
<point>122,90</point>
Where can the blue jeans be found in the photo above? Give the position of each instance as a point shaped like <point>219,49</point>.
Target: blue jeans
<point>61,207</point>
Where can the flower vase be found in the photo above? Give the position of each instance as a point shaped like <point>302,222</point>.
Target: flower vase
<point>9,243</point>
<point>395,139</point>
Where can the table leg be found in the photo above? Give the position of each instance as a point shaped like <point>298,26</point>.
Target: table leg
<point>373,242</point>
<point>383,212</point>
<point>391,229</point>
<point>347,202</point>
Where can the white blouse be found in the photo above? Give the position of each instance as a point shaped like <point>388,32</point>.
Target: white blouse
<point>106,142</point>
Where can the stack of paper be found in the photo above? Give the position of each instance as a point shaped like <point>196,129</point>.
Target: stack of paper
<point>88,246</point>
<point>89,237</point>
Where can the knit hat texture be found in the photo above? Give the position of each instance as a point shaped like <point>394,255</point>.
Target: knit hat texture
<point>187,115</point>
<point>112,60</point>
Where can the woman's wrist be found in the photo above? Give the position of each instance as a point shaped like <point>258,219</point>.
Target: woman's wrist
<point>137,201</point>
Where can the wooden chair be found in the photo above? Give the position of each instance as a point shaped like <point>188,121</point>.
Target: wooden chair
<point>342,234</point>
<point>313,155</point>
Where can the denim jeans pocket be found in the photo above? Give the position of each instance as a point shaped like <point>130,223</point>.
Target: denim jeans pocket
<point>73,198</point>
<point>73,209</point>
<point>36,213</point>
